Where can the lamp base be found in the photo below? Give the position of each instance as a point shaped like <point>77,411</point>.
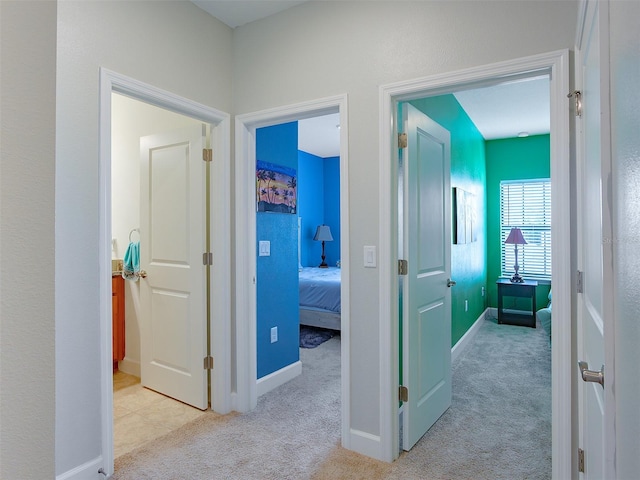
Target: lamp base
<point>323,265</point>
<point>517,279</point>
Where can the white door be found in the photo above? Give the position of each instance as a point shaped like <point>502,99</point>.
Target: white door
<point>594,244</point>
<point>173,310</point>
<point>426,292</point>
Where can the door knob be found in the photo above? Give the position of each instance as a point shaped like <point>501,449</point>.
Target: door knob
<point>450,283</point>
<point>591,375</point>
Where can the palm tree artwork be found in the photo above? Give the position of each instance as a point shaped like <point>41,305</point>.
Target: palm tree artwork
<point>275,188</point>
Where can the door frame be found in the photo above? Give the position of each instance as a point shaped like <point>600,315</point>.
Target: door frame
<point>112,82</point>
<point>246,395</point>
<point>556,65</point>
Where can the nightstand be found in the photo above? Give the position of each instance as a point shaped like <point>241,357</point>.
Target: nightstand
<point>511,316</point>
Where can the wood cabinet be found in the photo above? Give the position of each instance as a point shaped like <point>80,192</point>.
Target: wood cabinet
<point>117,306</point>
<point>526,290</point>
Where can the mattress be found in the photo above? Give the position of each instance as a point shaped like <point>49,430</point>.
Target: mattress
<point>320,288</point>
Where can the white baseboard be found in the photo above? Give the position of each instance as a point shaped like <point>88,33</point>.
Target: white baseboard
<point>132,367</point>
<point>466,339</point>
<point>86,471</point>
<point>365,444</point>
<point>279,377</point>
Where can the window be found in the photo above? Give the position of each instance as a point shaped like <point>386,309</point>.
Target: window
<point>526,204</point>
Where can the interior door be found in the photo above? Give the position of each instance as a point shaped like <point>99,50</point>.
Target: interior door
<point>595,247</point>
<point>173,238</point>
<point>426,292</point>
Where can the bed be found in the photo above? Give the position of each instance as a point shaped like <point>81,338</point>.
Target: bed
<point>320,297</point>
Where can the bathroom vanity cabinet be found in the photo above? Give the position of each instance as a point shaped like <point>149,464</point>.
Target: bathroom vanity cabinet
<point>117,306</point>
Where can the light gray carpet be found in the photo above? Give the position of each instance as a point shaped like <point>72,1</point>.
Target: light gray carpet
<point>292,427</point>
<point>498,427</point>
<point>499,423</point>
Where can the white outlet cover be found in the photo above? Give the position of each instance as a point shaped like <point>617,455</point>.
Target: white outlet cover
<point>264,248</point>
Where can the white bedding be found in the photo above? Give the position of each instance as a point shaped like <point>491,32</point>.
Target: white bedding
<point>320,288</point>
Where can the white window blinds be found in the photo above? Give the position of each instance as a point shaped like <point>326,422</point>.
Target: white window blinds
<point>526,204</point>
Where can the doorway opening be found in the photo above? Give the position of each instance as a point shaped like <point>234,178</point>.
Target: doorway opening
<point>144,407</point>
<point>555,65</point>
<point>215,341</point>
<point>298,229</point>
<point>255,378</point>
<point>483,155</point>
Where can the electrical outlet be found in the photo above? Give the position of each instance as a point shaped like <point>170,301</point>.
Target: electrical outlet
<point>264,249</point>
<point>483,291</point>
<point>466,305</point>
<point>274,334</point>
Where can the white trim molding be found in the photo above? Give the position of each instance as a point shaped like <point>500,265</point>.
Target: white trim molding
<point>111,82</point>
<point>132,367</point>
<point>464,342</point>
<point>245,254</point>
<point>90,469</point>
<point>279,377</point>
<point>556,66</point>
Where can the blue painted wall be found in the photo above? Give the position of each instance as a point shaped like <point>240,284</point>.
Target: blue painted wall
<point>277,282</point>
<point>332,207</point>
<point>318,203</point>
<point>310,206</point>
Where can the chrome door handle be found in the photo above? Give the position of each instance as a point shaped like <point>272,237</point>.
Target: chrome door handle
<point>450,283</point>
<point>591,375</point>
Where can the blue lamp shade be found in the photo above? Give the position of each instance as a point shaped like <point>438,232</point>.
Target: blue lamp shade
<point>323,234</point>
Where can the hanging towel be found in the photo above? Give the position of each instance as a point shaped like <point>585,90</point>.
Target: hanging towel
<point>131,263</point>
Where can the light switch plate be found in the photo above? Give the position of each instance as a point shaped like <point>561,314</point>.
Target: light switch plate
<point>264,248</point>
<point>370,256</point>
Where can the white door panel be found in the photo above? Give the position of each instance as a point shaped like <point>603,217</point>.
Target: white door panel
<point>426,297</point>
<point>173,239</point>
<point>594,245</point>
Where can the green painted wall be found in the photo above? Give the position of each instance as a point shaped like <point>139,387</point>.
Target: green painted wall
<point>468,171</point>
<point>511,159</point>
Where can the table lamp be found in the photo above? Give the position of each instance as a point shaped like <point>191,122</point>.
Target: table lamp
<point>515,238</point>
<point>323,234</point>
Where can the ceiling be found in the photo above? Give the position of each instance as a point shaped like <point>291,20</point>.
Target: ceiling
<point>236,13</point>
<point>502,111</point>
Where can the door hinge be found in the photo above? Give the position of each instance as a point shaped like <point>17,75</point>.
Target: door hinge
<point>578,96</point>
<point>208,362</point>
<point>403,267</point>
<point>207,258</point>
<point>402,140</point>
<point>580,460</point>
<point>579,282</point>
<point>207,154</point>
<point>403,393</point>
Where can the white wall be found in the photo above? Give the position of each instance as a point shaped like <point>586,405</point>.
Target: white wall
<point>625,119</point>
<point>27,372</point>
<point>171,45</point>
<point>130,120</point>
<point>320,49</point>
